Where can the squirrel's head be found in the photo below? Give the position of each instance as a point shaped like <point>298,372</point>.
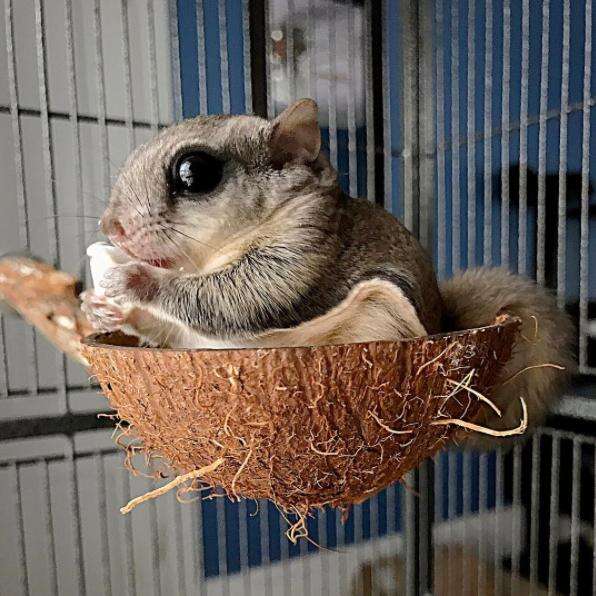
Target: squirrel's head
<point>214,182</point>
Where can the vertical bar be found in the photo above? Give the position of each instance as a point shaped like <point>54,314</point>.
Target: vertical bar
<point>575,521</point>
<point>243,546</point>
<point>202,57</point>
<point>426,116</point>
<point>103,516</point>
<point>75,514</point>
<point>411,536</point>
<point>50,190</point>
<point>488,118</point>
<point>223,53</point>
<point>585,198</point>
<point>370,117</point>
<point>387,113</point>
<point>451,499</point>
<point>455,142</point>
<point>553,537</point>
<point>311,45</point>
<point>534,510</point>
<point>3,360</point>
<point>155,543</point>
<point>523,143</point>
<point>75,134</point>
<point>426,505</point>
<point>437,515</point>
<point>517,538</point>
<point>471,130</point>
<point>482,512</point>
<point>332,87</point>
<point>440,118</point>
<point>101,101</point>
<point>352,164</point>
<point>152,66</point>
<point>500,499</point>
<point>505,133</point>
<point>542,139</point>
<point>222,561</point>
<point>467,508</point>
<point>290,51</point>
<point>49,523</point>
<point>175,59</point>
<point>284,553</point>
<point>22,202</point>
<point>178,539</point>
<point>126,528</point>
<point>409,32</point>
<point>22,553</point>
<point>562,219</point>
<point>268,56</point>
<point>264,530</point>
<point>125,45</point>
<point>248,105</point>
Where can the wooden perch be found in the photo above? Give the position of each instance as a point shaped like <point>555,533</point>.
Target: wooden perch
<point>46,299</point>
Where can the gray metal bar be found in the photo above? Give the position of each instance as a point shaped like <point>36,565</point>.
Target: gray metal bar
<point>585,199</point>
<point>482,509</point>
<point>202,58</point>
<point>75,134</point>
<point>243,546</point>
<point>575,521</point>
<point>126,529</point>
<point>75,512</point>
<point>437,513</point>
<point>553,537</point>
<point>223,60</point>
<point>103,524</point>
<point>455,134</point>
<point>410,535</point>
<point>387,116</point>
<point>22,553</point>
<point>21,194</point>
<point>517,537</point>
<point>264,534</point>
<point>155,546</point>
<point>3,360</point>
<point>488,92</point>
<point>175,59</point>
<point>246,56</point>
<point>49,523</point>
<point>222,561</point>
<point>50,190</point>
<point>284,551</point>
<point>290,70</point>
<point>562,221</point>
<point>534,509</point>
<point>409,32</point>
<point>499,503</point>
<point>178,539</point>
<point>505,137</point>
<point>101,101</point>
<point>332,87</point>
<point>312,64</point>
<point>451,501</point>
<point>152,66</point>
<point>426,116</point>
<point>352,163</point>
<point>440,119</point>
<point>426,505</point>
<point>370,128</point>
<point>125,41</point>
<point>523,143</point>
<point>542,138</point>
<point>471,130</point>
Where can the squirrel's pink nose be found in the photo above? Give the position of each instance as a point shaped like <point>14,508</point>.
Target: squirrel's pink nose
<point>112,227</point>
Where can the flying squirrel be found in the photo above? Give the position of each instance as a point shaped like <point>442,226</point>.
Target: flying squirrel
<point>239,235</point>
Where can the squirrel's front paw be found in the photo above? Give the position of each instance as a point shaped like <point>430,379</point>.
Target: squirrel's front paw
<point>132,283</point>
<point>103,314</point>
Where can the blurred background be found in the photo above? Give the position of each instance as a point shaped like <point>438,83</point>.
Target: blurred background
<point>472,121</point>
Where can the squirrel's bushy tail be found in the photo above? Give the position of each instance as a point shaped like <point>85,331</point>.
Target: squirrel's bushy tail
<point>475,298</point>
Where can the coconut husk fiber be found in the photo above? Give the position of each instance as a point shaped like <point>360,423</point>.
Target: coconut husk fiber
<point>304,427</point>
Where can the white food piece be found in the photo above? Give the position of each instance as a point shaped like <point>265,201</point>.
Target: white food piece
<point>102,257</point>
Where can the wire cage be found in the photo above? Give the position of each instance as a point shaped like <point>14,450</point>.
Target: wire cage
<point>471,121</point>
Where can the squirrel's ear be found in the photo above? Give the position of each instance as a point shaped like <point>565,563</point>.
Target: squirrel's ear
<point>295,135</point>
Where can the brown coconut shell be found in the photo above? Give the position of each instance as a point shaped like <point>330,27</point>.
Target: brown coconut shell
<point>304,427</point>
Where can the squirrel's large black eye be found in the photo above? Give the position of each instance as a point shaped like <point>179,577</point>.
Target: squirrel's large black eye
<point>195,173</point>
